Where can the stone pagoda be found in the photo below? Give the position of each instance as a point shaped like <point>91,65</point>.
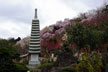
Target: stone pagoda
<point>34,44</point>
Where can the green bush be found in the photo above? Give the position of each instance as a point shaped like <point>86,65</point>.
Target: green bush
<point>20,68</point>
<point>8,55</point>
<point>69,69</point>
<point>92,36</point>
<point>89,63</point>
<point>44,65</point>
<point>84,66</point>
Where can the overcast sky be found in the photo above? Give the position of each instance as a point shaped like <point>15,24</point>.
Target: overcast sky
<point>16,15</point>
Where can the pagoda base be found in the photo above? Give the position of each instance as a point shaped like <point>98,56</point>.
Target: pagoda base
<point>34,61</point>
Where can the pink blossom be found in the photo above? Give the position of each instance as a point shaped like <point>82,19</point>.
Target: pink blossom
<point>46,35</point>
<point>60,31</point>
<point>50,29</point>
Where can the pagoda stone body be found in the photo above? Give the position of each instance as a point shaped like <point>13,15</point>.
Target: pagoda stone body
<point>34,44</point>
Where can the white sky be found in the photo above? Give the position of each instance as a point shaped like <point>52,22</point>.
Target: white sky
<point>16,15</point>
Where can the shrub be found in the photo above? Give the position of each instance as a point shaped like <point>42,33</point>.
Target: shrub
<point>84,66</point>
<point>69,69</point>
<point>44,65</point>
<point>8,55</point>
<point>20,68</point>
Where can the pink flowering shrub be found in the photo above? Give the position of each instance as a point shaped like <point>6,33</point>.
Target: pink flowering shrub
<point>60,31</point>
<point>52,44</point>
<point>23,45</point>
<point>46,36</point>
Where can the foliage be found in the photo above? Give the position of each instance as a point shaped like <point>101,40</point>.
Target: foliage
<point>8,55</point>
<point>96,61</point>
<point>89,63</point>
<point>85,66</point>
<point>8,50</point>
<point>44,65</point>
<point>65,44</point>
<point>75,34</point>
<point>91,35</point>
<point>69,69</point>
<point>20,68</point>
<point>12,40</point>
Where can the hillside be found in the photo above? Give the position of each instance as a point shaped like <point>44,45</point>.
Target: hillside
<point>74,45</point>
<point>53,36</point>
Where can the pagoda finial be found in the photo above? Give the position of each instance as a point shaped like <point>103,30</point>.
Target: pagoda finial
<point>35,13</point>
